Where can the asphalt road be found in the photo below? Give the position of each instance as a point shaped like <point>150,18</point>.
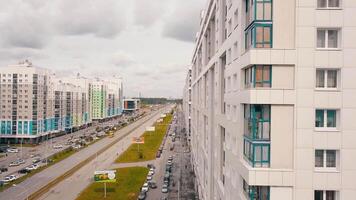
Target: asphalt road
<point>82,177</point>
<point>71,187</point>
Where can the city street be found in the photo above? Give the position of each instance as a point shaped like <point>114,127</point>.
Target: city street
<point>45,149</point>
<point>39,180</point>
<point>181,182</point>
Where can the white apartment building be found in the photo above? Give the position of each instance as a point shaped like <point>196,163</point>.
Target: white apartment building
<point>34,103</point>
<point>26,99</point>
<point>187,102</point>
<point>273,99</point>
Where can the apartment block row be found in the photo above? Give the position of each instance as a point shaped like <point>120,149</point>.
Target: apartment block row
<point>273,95</point>
<point>34,103</point>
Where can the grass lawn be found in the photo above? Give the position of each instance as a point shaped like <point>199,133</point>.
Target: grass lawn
<point>149,149</point>
<point>56,158</point>
<point>127,187</point>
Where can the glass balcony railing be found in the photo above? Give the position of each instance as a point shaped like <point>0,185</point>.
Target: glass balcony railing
<point>257,134</point>
<point>257,153</point>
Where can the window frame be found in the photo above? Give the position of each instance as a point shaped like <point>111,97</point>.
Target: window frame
<point>326,34</point>
<point>324,165</point>
<point>326,74</point>
<point>325,120</point>
<point>251,36</point>
<point>327,6</point>
<point>251,73</point>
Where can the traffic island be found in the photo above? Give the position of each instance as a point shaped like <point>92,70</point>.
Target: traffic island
<point>146,150</point>
<point>127,186</point>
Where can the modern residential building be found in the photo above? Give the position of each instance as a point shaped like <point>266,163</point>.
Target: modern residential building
<point>35,104</point>
<point>187,101</point>
<point>273,100</point>
<point>26,102</point>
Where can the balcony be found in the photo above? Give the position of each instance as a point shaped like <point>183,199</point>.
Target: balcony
<point>258,31</point>
<point>257,135</point>
<point>253,192</point>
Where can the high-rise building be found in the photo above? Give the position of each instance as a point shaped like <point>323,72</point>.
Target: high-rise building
<point>35,104</point>
<point>187,101</point>
<point>273,95</point>
<point>26,99</point>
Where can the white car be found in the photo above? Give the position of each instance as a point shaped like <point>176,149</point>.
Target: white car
<point>149,178</point>
<point>145,187</point>
<point>9,178</point>
<point>32,167</point>
<point>57,146</point>
<point>12,150</point>
<point>152,171</point>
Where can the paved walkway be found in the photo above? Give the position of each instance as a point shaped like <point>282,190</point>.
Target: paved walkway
<point>134,164</point>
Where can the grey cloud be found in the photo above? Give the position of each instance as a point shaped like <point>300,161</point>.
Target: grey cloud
<point>100,18</point>
<point>183,23</point>
<point>147,13</point>
<point>122,59</point>
<point>22,26</point>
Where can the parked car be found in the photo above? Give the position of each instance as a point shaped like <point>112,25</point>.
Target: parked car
<point>32,167</point>
<point>24,171</point>
<point>142,196</point>
<point>48,160</point>
<point>20,161</point>
<point>171,147</point>
<point>145,187</point>
<point>36,160</point>
<point>57,146</point>
<point>12,150</point>
<point>158,154</point>
<point>152,184</point>
<point>164,188</point>
<point>14,164</point>
<point>3,169</point>
<point>149,178</point>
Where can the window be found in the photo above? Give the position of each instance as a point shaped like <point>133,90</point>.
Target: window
<point>326,78</point>
<point>253,192</point>
<point>236,18</point>
<point>325,158</point>
<point>328,4</point>
<point>325,118</point>
<point>325,195</point>
<point>258,76</point>
<point>236,52</point>
<point>259,36</point>
<point>327,38</point>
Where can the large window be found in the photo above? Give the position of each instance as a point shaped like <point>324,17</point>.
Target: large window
<point>325,159</point>
<point>258,76</point>
<point>258,10</point>
<point>325,4</point>
<point>257,121</point>
<point>328,38</point>
<point>259,36</point>
<point>326,78</point>
<point>325,118</point>
<point>253,192</point>
<point>325,195</point>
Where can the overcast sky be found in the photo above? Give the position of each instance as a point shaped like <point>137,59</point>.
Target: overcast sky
<point>147,42</point>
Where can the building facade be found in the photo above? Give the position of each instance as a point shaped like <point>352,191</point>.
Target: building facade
<point>273,96</point>
<point>34,103</point>
<point>26,102</point>
<point>130,105</point>
<point>187,102</point>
